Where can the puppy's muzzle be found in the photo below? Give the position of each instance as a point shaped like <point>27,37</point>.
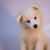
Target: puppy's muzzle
<point>35,26</point>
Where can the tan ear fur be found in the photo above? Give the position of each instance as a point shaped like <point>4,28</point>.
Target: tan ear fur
<point>19,18</point>
<point>36,6</point>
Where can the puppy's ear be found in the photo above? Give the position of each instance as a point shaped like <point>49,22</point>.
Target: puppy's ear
<point>35,7</point>
<point>19,18</point>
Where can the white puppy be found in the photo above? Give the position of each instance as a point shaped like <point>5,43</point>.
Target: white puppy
<point>32,35</point>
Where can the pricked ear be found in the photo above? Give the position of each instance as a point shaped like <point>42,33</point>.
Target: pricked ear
<point>35,7</point>
<point>19,18</point>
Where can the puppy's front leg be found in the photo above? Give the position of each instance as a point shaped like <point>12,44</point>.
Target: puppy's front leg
<point>39,45</point>
<point>23,46</point>
<point>30,46</point>
<point>48,46</point>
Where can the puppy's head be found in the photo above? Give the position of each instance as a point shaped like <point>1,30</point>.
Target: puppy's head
<point>30,18</point>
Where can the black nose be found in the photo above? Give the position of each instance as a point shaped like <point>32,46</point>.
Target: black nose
<point>35,26</point>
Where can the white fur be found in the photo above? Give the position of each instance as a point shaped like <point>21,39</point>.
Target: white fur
<point>32,22</point>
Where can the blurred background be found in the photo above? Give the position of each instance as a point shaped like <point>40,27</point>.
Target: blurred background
<point>9,28</point>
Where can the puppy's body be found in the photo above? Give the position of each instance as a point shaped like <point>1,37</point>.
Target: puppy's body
<point>31,40</point>
<point>32,35</point>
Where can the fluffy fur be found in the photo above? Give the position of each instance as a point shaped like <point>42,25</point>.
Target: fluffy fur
<point>32,38</point>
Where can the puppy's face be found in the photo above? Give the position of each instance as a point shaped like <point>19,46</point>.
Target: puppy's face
<point>30,18</point>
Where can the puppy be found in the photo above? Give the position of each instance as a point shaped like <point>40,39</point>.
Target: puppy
<point>32,35</point>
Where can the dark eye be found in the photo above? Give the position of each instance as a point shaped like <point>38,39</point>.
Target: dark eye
<point>35,8</point>
<point>28,21</point>
<point>35,18</point>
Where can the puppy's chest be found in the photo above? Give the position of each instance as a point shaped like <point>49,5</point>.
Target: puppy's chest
<point>26,37</point>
